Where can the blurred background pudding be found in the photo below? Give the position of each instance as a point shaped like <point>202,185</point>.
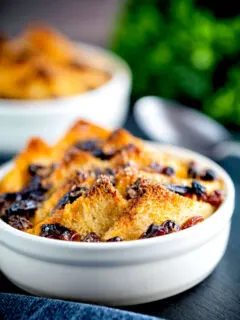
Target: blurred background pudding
<point>48,81</point>
<point>41,63</point>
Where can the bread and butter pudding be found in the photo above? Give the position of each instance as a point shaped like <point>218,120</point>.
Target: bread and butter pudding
<point>41,63</point>
<point>95,185</point>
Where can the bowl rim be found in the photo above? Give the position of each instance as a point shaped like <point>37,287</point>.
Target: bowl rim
<point>222,213</point>
<point>122,71</point>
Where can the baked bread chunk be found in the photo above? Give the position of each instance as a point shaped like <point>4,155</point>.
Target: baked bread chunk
<point>96,185</point>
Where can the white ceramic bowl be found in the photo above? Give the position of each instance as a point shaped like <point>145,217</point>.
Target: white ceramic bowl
<point>121,273</point>
<point>48,118</point>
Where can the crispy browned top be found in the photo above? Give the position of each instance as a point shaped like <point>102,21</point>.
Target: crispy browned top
<point>110,183</point>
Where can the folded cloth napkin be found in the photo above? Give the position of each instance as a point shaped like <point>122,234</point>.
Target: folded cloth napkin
<point>16,306</point>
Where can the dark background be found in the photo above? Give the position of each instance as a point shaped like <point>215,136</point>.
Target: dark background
<point>86,20</point>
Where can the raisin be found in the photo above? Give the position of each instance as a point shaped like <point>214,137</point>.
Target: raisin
<point>69,197</point>
<point>57,231</point>
<point>19,222</point>
<point>153,231</point>
<point>208,175</point>
<point>215,198</point>
<point>61,203</point>
<point>93,147</point>
<point>10,196</point>
<point>182,190</point>
<point>115,239</point>
<point>198,189</point>
<point>6,200</point>
<point>192,170</point>
<point>88,145</point>
<point>168,171</point>
<point>35,195</point>
<point>23,208</point>
<point>170,226</point>
<point>102,155</point>
<point>191,222</point>
<point>35,185</point>
<point>91,237</point>
<point>156,167</point>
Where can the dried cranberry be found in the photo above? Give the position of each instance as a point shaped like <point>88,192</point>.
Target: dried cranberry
<point>191,222</point>
<point>182,190</point>
<point>208,175</point>
<point>23,207</point>
<point>170,226</point>
<point>156,167</point>
<point>169,171</point>
<point>115,239</point>
<point>57,231</point>
<point>198,188</point>
<point>215,198</point>
<point>153,231</point>
<point>18,222</point>
<point>91,237</point>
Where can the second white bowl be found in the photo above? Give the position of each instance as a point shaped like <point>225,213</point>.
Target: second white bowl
<point>48,118</point>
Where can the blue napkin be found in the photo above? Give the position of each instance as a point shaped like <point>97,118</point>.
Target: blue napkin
<point>20,307</point>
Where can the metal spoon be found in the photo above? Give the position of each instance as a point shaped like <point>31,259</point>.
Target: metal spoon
<point>173,123</point>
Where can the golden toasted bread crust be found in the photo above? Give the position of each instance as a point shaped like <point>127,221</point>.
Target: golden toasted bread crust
<point>109,184</point>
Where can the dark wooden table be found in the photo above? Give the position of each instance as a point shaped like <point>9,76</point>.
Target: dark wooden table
<point>218,297</point>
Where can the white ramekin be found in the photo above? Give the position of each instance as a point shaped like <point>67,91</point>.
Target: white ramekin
<point>48,118</point>
<point>121,273</point>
